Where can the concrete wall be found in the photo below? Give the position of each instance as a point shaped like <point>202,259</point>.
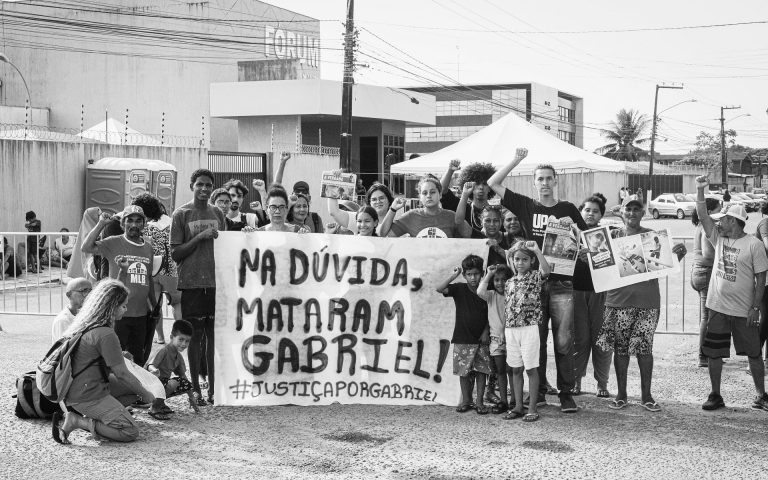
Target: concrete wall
<point>255,132</point>
<point>49,178</point>
<point>151,72</point>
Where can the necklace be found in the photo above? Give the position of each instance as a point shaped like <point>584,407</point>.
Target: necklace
<point>474,218</point>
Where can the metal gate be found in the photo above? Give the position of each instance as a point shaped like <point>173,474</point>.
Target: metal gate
<point>242,166</point>
<point>659,183</point>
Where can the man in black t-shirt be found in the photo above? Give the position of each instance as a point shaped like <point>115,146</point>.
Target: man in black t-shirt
<point>534,215</point>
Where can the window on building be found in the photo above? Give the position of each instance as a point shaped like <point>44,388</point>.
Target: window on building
<point>394,144</point>
<point>567,114</point>
<point>568,137</point>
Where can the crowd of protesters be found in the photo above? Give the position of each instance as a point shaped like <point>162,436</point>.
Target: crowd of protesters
<point>505,307</point>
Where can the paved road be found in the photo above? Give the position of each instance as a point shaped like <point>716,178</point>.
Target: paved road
<point>355,441</point>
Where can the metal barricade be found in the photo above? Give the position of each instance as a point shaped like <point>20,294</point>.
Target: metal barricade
<point>674,304</point>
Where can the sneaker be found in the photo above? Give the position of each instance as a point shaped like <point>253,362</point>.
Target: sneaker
<point>550,389</point>
<point>761,402</point>
<point>540,401</point>
<point>714,401</point>
<point>199,399</point>
<point>567,405</point>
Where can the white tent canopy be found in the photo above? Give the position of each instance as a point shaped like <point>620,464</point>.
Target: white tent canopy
<point>113,132</point>
<point>496,144</point>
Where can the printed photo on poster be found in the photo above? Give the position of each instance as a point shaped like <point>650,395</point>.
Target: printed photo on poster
<point>657,251</point>
<point>560,248</point>
<point>336,184</point>
<point>630,255</point>
<point>600,253</point>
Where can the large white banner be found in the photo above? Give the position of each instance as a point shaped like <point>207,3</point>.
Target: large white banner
<point>315,319</point>
<point>622,261</point>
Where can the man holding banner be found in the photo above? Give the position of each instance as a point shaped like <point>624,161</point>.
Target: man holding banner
<point>535,216</point>
<point>735,294</point>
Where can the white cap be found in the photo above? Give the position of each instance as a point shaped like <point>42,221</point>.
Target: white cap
<point>732,210</point>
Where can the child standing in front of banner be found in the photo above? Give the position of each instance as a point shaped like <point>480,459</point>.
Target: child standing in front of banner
<point>498,274</point>
<point>470,332</point>
<point>523,314</point>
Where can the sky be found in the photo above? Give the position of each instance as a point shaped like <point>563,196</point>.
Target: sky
<point>612,54</point>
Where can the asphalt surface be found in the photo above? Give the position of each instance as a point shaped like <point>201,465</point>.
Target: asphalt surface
<point>355,441</point>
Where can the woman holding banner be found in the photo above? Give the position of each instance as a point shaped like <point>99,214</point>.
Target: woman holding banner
<point>277,210</point>
<point>631,316</point>
<point>430,221</point>
<point>379,197</point>
<point>701,270</point>
<point>588,306</point>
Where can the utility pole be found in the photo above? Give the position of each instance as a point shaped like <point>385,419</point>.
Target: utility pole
<point>346,96</point>
<point>653,137</point>
<point>723,157</point>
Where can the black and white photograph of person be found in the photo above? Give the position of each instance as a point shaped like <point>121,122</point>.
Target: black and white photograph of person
<point>630,256</point>
<point>658,254</point>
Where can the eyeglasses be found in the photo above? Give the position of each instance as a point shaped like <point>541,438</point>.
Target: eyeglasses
<point>276,208</point>
<point>83,290</point>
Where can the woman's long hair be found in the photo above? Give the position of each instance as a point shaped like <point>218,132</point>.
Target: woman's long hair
<point>99,307</point>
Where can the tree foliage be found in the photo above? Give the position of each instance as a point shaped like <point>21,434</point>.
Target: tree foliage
<point>627,131</point>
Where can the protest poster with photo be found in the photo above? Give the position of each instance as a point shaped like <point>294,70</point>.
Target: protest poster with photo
<point>560,247</point>
<point>316,319</point>
<point>337,184</point>
<point>621,261</point>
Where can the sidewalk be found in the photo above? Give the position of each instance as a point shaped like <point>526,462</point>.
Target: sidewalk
<point>355,441</point>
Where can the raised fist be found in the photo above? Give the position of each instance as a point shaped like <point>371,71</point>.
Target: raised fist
<point>285,156</point>
<point>531,245</point>
<point>258,184</point>
<point>455,164</point>
<point>398,203</point>
<point>702,182</point>
<point>456,270</point>
<point>521,153</point>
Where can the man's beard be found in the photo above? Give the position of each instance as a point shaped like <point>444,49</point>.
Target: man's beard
<point>234,206</point>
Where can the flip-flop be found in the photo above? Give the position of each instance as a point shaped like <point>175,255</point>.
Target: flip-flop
<point>166,409</point>
<point>56,432</point>
<point>159,415</point>
<point>483,409</point>
<point>651,406</point>
<point>463,408</point>
<point>530,417</point>
<point>512,415</point>
<point>617,404</point>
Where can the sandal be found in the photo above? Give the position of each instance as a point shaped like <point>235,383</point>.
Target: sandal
<point>603,393</point>
<point>159,415</point>
<point>651,406</point>
<point>530,417</point>
<point>58,434</point>
<point>499,408</point>
<point>167,410</point>
<point>618,404</point>
<point>463,408</point>
<point>512,415</point>
<point>482,410</point>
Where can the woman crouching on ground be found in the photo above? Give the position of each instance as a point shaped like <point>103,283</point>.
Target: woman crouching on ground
<point>631,316</point>
<point>93,395</point>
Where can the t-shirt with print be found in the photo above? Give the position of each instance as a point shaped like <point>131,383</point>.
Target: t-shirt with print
<point>90,384</point>
<point>474,217</point>
<point>522,304</point>
<point>61,323</point>
<point>167,361</point>
<point>198,269</point>
<point>417,223</point>
<point>638,295</point>
<point>140,259</point>
<point>495,302</point>
<point>471,314</point>
<point>737,261</point>
<point>534,216</point>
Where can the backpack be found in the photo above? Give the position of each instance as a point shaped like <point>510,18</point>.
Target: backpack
<point>29,402</point>
<point>54,372</point>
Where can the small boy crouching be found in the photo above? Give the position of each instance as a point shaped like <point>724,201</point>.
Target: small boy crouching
<point>470,332</point>
<point>168,361</point>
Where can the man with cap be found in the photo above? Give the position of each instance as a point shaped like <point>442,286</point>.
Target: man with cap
<point>735,294</point>
<point>132,328</point>
<point>77,290</point>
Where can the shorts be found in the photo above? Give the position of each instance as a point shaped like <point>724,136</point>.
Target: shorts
<point>717,340</point>
<point>110,412</point>
<point>523,346</point>
<point>167,284</point>
<point>628,330</point>
<point>198,302</point>
<point>183,387</point>
<point>498,346</point>
<point>469,358</point>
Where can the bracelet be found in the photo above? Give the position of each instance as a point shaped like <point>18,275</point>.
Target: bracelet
<point>392,210</point>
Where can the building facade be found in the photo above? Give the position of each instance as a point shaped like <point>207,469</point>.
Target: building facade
<point>464,110</point>
<point>148,63</point>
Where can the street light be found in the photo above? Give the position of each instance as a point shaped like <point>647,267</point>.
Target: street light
<point>692,100</point>
<point>739,116</point>
<point>4,58</point>
<point>653,134</point>
<point>723,158</point>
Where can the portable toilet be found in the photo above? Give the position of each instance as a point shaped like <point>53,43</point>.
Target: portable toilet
<point>112,183</point>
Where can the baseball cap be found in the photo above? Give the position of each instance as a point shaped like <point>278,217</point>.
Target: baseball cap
<point>301,187</point>
<point>132,210</point>
<point>732,210</point>
<point>633,199</point>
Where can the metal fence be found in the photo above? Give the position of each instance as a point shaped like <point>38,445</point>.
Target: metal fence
<point>41,292</point>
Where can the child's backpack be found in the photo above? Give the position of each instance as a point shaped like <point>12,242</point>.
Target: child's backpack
<point>29,402</point>
<point>54,372</point>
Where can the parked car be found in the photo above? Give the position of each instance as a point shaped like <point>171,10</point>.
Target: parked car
<point>759,191</point>
<point>759,198</point>
<point>749,203</point>
<point>671,204</point>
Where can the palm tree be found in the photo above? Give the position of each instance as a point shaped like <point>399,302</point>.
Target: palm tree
<point>626,132</point>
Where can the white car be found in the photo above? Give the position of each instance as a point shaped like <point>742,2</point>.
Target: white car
<point>671,204</point>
